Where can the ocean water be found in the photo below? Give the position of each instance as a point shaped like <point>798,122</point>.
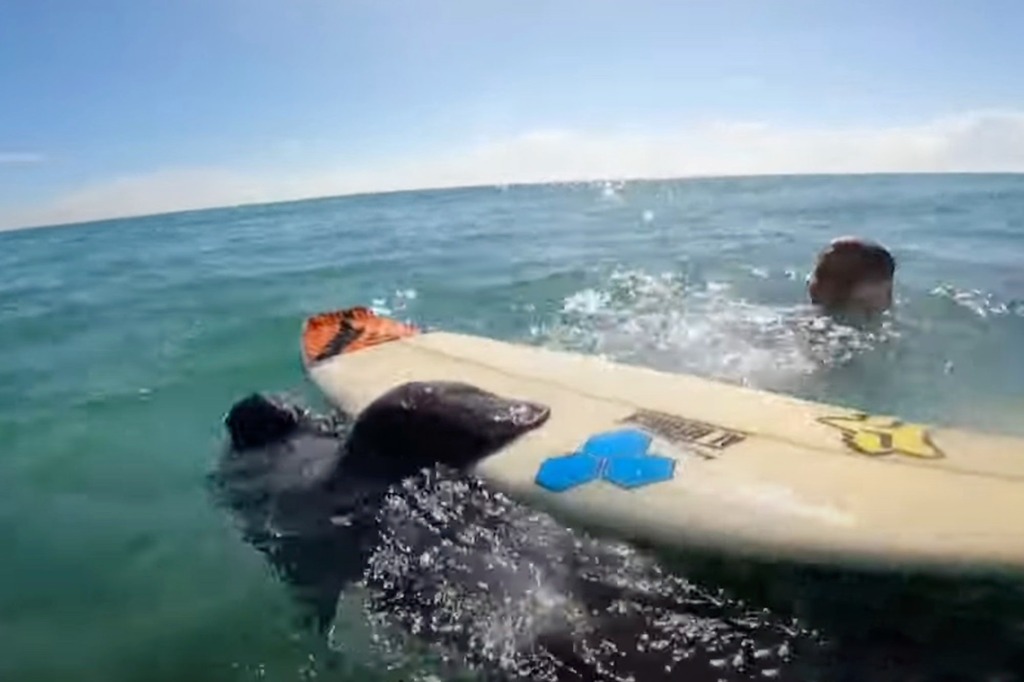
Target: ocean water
<point>125,342</point>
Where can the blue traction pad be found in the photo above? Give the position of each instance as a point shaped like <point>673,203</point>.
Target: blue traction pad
<point>621,457</point>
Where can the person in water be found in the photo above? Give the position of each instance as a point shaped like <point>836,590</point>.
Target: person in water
<point>853,276</point>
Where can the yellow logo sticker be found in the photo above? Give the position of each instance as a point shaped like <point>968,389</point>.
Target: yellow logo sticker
<point>877,436</point>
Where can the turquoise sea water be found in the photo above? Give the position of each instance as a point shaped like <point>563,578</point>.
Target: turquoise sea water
<point>125,342</point>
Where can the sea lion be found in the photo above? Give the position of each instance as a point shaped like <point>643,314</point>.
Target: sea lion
<point>291,477</point>
<point>385,502</point>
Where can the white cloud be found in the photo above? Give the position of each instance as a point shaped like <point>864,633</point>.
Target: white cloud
<point>971,142</point>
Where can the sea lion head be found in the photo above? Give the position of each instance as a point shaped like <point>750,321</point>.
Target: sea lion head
<point>423,423</point>
<point>259,420</point>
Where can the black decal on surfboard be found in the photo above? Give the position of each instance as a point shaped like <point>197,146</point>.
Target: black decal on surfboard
<point>879,436</point>
<point>346,331</point>
<point>681,430</point>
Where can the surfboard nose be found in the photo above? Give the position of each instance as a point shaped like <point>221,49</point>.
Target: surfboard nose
<point>328,334</point>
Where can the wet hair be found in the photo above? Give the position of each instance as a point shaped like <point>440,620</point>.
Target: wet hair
<point>847,262</point>
<point>852,261</point>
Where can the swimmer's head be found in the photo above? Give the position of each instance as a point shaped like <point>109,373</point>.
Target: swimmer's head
<point>854,276</point>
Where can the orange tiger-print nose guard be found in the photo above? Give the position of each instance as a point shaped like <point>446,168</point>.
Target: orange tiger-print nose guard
<point>347,331</point>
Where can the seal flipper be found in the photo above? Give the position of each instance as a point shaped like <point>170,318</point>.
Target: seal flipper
<point>257,421</point>
<point>275,478</point>
<point>316,571</point>
<point>422,423</point>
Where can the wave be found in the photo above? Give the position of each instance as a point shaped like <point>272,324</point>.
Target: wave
<point>981,303</point>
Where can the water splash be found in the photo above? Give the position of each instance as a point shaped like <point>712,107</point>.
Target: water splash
<point>611,190</point>
<point>515,593</point>
<point>981,303</point>
<point>668,322</point>
<point>397,302</point>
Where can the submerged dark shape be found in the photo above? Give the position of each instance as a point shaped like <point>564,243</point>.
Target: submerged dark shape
<point>386,503</point>
<point>276,478</point>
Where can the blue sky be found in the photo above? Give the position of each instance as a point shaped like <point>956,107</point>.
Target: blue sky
<point>117,107</point>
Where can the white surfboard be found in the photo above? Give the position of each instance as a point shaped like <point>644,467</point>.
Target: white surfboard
<point>684,462</point>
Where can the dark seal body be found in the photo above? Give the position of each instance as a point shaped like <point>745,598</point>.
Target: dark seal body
<point>385,502</point>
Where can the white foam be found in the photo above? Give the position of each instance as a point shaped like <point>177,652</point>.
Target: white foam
<point>587,302</point>
<point>980,303</point>
<point>611,190</point>
<point>398,301</point>
<point>664,322</point>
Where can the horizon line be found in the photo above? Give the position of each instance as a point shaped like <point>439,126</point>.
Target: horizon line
<point>499,185</point>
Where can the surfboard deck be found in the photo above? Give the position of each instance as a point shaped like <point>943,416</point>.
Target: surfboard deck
<point>680,461</point>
